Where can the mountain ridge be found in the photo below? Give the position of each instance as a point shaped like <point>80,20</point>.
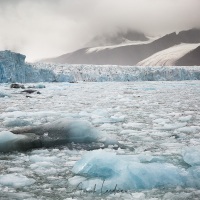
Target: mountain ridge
<point>128,54</point>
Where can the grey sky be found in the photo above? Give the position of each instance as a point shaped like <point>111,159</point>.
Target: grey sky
<point>46,28</point>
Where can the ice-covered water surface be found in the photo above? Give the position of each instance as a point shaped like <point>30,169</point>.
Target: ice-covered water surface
<point>157,122</point>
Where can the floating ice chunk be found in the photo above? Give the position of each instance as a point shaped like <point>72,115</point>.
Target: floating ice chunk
<point>3,94</point>
<point>84,114</point>
<point>185,118</point>
<point>134,125</point>
<point>110,127</point>
<point>135,196</point>
<point>40,86</point>
<point>105,120</point>
<point>152,116</point>
<point>160,134</point>
<point>40,151</point>
<point>101,112</point>
<point>189,112</point>
<point>12,109</point>
<point>147,89</point>
<point>16,169</point>
<point>179,196</point>
<point>107,171</point>
<point>195,172</point>
<point>175,114</point>
<point>191,155</point>
<point>89,163</point>
<point>14,114</point>
<point>9,141</point>
<point>161,121</point>
<point>16,122</point>
<point>64,131</point>
<point>6,136</point>
<point>195,141</point>
<point>171,126</point>
<point>39,158</point>
<point>42,164</point>
<point>16,181</point>
<point>189,129</point>
<point>59,132</point>
<point>117,118</point>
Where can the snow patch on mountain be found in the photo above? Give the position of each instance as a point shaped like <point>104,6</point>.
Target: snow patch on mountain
<point>126,43</point>
<point>168,57</point>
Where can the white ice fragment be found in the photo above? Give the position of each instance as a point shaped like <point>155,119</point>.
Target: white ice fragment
<point>189,129</point>
<point>195,172</point>
<point>16,181</point>
<point>191,155</point>
<point>107,168</point>
<point>84,114</point>
<point>105,120</point>
<point>175,114</point>
<point>15,122</point>
<point>12,109</point>
<point>129,132</point>
<point>152,116</point>
<point>134,125</point>
<point>40,158</point>
<point>16,169</point>
<point>117,118</point>
<point>185,118</point>
<point>44,164</point>
<point>138,196</point>
<point>40,151</point>
<point>189,112</point>
<point>3,94</point>
<point>40,86</point>
<point>6,136</point>
<point>101,112</point>
<point>171,126</point>
<point>110,127</point>
<point>161,121</point>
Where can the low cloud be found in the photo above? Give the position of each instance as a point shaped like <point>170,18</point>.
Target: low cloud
<point>46,28</point>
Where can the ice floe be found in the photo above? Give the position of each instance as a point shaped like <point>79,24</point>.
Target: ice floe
<point>17,181</point>
<point>107,171</point>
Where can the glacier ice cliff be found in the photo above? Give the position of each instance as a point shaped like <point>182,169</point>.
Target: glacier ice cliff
<point>14,69</point>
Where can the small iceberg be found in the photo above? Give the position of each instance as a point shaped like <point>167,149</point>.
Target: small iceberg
<point>106,171</point>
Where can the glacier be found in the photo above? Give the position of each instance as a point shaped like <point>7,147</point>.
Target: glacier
<point>13,68</point>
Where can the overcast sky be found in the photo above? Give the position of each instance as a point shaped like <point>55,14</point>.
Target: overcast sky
<point>46,28</point>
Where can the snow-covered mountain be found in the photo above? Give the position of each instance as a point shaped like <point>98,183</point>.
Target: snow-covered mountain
<point>130,53</point>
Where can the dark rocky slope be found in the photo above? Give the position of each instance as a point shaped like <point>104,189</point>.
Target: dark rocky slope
<point>190,59</point>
